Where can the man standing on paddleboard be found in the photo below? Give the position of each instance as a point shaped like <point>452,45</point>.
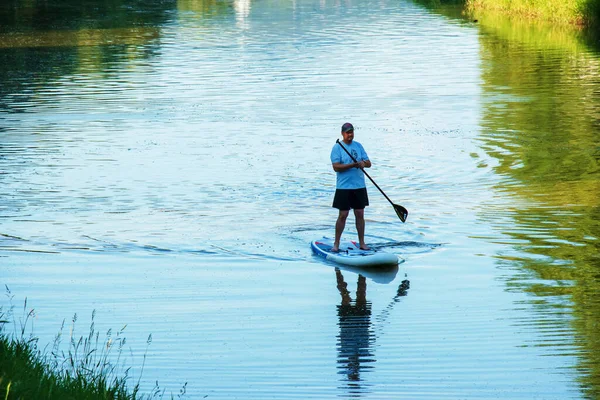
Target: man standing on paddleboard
<point>351,191</point>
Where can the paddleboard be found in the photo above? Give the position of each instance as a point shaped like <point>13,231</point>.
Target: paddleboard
<point>351,254</point>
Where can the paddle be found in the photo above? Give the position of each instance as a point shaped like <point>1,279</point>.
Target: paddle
<point>401,212</point>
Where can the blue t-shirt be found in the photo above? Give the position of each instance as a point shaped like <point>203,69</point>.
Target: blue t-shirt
<point>352,178</point>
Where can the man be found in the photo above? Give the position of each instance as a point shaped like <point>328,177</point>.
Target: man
<point>351,192</point>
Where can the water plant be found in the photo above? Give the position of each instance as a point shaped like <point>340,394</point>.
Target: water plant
<point>91,367</point>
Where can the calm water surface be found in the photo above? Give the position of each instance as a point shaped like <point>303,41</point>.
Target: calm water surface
<point>167,166</point>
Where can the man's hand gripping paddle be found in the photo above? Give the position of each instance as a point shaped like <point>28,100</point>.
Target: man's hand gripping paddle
<point>401,212</point>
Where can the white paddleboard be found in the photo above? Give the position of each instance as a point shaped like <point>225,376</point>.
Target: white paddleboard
<point>351,254</point>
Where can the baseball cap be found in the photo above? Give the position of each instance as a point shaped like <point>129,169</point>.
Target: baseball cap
<point>347,127</point>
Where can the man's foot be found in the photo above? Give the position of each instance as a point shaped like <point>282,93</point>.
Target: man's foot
<point>335,248</point>
<point>364,247</point>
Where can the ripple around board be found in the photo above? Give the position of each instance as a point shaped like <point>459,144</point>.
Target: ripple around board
<point>289,247</point>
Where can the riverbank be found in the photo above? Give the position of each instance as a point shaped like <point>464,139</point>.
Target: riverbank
<point>89,369</point>
<point>576,12</point>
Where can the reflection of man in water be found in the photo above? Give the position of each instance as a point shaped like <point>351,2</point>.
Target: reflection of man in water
<point>356,338</point>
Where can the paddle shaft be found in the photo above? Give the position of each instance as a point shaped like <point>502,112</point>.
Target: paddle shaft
<point>365,172</point>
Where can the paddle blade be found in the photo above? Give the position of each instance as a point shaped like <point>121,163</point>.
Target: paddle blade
<point>401,212</point>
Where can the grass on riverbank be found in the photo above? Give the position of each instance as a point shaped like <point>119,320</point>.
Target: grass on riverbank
<point>580,12</point>
<point>87,371</point>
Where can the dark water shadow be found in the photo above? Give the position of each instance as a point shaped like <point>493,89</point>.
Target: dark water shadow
<point>11,243</point>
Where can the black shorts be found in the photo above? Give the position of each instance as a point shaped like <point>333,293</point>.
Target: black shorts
<point>345,199</point>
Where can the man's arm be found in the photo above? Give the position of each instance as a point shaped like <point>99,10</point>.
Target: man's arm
<point>339,167</point>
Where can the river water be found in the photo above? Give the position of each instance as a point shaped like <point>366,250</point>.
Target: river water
<point>165,167</point>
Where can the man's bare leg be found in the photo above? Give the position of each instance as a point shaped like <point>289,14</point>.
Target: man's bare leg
<point>340,224</point>
<point>359,215</point>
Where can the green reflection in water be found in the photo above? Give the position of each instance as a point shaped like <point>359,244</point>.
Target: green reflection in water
<point>43,41</point>
<point>42,15</point>
<point>541,120</point>
<point>209,8</point>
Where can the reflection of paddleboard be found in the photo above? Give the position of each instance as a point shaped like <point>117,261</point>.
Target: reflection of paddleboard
<point>351,254</point>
